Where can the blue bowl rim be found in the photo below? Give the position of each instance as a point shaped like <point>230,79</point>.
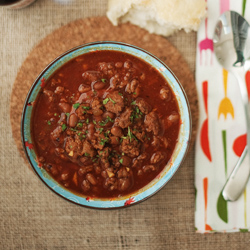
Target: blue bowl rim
<point>68,52</point>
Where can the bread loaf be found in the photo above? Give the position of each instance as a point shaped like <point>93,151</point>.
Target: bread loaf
<point>162,17</point>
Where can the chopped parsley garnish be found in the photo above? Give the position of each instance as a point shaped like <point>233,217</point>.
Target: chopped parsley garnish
<point>133,103</point>
<point>64,126</point>
<point>129,134</point>
<point>137,110</point>
<point>105,101</point>
<point>81,135</point>
<point>87,120</point>
<point>86,154</point>
<point>79,124</point>
<point>76,105</point>
<point>120,94</point>
<point>103,80</point>
<point>103,123</point>
<point>100,129</point>
<point>136,114</point>
<point>86,107</point>
<point>67,114</point>
<point>103,141</point>
<point>106,133</point>
<point>94,159</point>
<point>121,160</point>
<point>112,100</point>
<point>49,122</point>
<point>55,114</point>
<point>94,122</point>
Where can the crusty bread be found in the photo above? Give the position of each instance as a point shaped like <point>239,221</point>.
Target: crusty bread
<point>162,17</point>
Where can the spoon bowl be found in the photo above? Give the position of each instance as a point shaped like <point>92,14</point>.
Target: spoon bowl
<point>232,40</point>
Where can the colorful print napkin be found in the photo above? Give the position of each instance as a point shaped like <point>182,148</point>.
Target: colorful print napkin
<point>221,135</point>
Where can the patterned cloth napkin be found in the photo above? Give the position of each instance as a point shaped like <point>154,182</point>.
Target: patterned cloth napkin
<point>221,135</point>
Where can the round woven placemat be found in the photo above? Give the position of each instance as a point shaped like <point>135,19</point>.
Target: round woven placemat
<point>90,30</point>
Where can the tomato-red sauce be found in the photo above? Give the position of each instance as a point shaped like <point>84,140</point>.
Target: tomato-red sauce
<point>105,124</point>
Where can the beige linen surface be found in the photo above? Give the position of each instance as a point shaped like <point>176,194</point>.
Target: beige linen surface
<point>32,217</point>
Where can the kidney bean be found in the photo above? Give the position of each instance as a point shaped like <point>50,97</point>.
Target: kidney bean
<point>114,82</point>
<point>84,97</point>
<point>108,114</point>
<point>122,173</point>
<point>127,65</point>
<point>142,76</point>
<point>143,156</point>
<point>83,88</point>
<point>165,94</point>
<point>73,119</point>
<point>48,93</point>
<point>63,157</point>
<point>41,159</point>
<point>116,131</point>
<point>66,184</point>
<point>91,76</point>
<point>114,140</point>
<point>172,118</point>
<point>124,184</point>
<point>157,157</point>
<point>84,170</point>
<point>65,107</point>
<point>111,183</point>
<point>85,161</point>
<point>118,64</point>
<point>91,178</point>
<point>97,112</point>
<point>165,142</point>
<point>98,169</point>
<point>125,160</point>
<point>99,85</point>
<point>59,90</point>
<point>91,131</point>
<point>136,163</point>
<point>148,168</point>
<point>65,176</point>
<point>104,174</point>
<point>52,169</point>
<point>139,172</point>
<point>86,185</point>
<point>156,142</point>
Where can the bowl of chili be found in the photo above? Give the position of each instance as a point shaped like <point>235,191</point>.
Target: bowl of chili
<point>106,125</point>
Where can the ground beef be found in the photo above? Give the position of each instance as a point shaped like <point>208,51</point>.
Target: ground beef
<point>124,119</point>
<point>91,76</point>
<point>152,123</point>
<point>131,147</point>
<point>114,102</point>
<point>144,107</point>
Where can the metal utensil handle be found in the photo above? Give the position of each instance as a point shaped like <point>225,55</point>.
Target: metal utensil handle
<point>230,191</point>
<point>238,179</point>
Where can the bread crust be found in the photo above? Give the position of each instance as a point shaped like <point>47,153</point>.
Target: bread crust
<point>162,17</point>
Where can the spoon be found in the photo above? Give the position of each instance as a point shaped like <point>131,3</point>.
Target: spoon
<point>232,49</point>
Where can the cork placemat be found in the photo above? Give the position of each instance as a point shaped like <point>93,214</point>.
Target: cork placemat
<point>90,30</point>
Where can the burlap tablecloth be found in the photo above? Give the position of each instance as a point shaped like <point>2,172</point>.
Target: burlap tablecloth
<point>32,217</point>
